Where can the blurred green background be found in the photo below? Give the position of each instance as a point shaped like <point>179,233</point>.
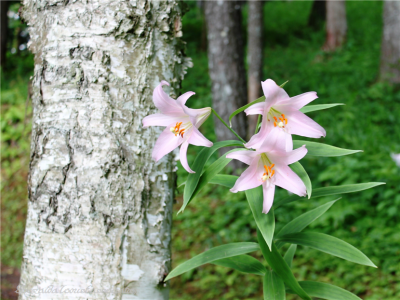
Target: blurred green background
<point>369,121</point>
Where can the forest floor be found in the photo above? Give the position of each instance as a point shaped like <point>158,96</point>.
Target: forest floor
<point>368,220</point>
<point>9,282</point>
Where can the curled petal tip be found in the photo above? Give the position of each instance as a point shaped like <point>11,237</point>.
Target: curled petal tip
<point>163,82</point>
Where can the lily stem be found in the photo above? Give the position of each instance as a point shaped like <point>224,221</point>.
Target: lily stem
<point>226,125</point>
<point>258,123</point>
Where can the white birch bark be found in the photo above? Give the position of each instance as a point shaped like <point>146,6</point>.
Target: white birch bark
<point>99,213</point>
<point>390,56</point>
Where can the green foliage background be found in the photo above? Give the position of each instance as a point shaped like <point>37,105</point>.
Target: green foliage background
<point>368,220</point>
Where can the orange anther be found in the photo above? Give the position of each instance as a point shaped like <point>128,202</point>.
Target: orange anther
<point>281,119</point>
<point>274,124</point>
<point>273,172</point>
<point>283,116</point>
<point>276,119</point>
<point>273,165</point>
<point>285,121</point>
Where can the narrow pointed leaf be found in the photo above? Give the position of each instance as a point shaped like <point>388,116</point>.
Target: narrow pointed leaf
<point>225,180</point>
<point>239,110</point>
<point>290,254</point>
<point>278,264</point>
<point>310,108</point>
<point>243,263</point>
<point>319,149</point>
<point>213,254</point>
<point>198,165</point>
<point>211,171</point>
<point>299,170</point>
<point>265,222</point>
<point>273,286</point>
<point>328,244</point>
<point>330,190</point>
<point>302,221</point>
<point>325,291</point>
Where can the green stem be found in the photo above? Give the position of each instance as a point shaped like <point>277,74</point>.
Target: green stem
<point>226,125</point>
<point>258,123</point>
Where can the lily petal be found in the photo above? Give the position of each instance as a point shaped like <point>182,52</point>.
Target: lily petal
<point>250,178</point>
<point>268,194</point>
<point>255,109</point>
<point>273,93</point>
<point>287,158</point>
<point>161,120</point>
<point>165,103</point>
<point>276,140</point>
<point>198,139</point>
<point>245,156</point>
<point>183,157</point>
<point>297,102</point>
<point>258,139</point>
<point>302,125</point>
<point>289,180</point>
<point>183,98</point>
<point>165,143</point>
<point>197,116</point>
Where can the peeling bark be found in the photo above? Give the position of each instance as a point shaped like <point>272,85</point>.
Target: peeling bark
<point>336,24</point>
<point>226,64</point>
<point>99,212</point>
<point>254,56</point>
<point>390,56</point>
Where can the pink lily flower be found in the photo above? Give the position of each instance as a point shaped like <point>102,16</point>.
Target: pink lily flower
<point>281,114</point>
<point>269,167</point>
<point>182,125</point>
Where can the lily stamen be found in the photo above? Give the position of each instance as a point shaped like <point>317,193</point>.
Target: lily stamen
<point>268,172</point>
<point>177,129</point>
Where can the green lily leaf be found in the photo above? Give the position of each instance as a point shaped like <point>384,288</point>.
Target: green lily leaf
<point>265,222</point>
<point>299,170</point>
<point>310,108</point>
<point>198,165</point>
<point>216,253</point>
<point>330,190</point>
<point>225,180</point>
<point>328,244</point>
<point>290,254</point>
<point>302,221</point>
<point>325,291</point>
<point>319,149</point>
<point>243,263</point>
<point>273,286</point>
<point>210,172</point>
<point>278,264</point>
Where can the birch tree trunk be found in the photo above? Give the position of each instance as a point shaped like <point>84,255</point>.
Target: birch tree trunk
<point>336,24</point>
<point>390,56</point>
<point>99,213</point>
<point>255,54</point>
<point>4,30</point>
<point>226,64</point>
